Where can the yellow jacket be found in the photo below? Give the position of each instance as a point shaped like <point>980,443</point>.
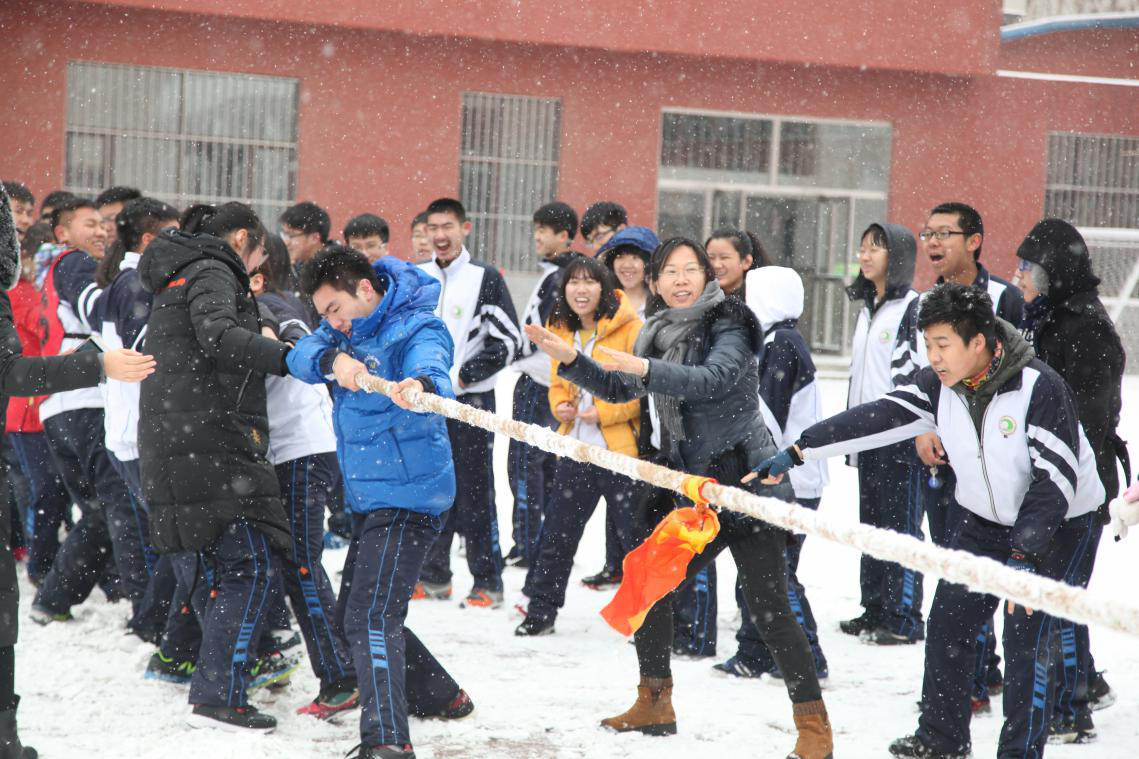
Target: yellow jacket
<point>620,423</point>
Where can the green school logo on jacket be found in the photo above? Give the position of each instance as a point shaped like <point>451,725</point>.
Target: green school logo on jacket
<point>1007,425</point>
<point>885,336</point>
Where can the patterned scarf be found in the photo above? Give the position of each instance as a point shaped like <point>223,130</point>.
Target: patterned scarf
<point>984,376</point>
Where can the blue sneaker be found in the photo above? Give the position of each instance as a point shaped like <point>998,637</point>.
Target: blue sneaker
<point>168,670</point>
<point>739,666</point>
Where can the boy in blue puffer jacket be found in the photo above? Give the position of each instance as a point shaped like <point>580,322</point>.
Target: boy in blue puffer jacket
<point>398,475</point>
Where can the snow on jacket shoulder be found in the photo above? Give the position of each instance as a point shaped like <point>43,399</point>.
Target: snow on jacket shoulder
<point>475,305</point>
<point>390,457</point>
<point>620,422</point>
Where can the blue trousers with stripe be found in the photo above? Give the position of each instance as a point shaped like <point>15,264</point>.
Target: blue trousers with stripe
<point>49,506</point>
<point>1075,666</point>
<point>954,622</point>
<point>694,610</point>
<point>890,497</point>
<point>240,563</point>
<point>307,485</point>
<point>113,528</point>
<point>751,643</point>
<point>395,672</point>
<point>531,469</point>
<point>475,514</point>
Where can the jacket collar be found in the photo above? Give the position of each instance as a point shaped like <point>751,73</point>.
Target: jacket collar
<point>130,261</point>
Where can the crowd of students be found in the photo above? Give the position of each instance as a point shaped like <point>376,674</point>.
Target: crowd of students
<point>987,407</point>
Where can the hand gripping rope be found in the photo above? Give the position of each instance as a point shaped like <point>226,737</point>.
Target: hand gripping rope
<point>981,574</point>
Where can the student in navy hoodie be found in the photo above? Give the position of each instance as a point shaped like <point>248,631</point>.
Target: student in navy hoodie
<point>790,401</point>
<point>398,473</point>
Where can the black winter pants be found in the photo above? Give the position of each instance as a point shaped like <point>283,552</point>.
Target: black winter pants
<point>474,514</point>
<point>395,672</point>
<point>49,504</point>
<point>531,469</point>
<point>113,524</point>
<point>759,553</point>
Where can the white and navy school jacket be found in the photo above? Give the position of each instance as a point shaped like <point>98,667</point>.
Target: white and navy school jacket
<point>74,282</point>
<point>476,307</point>
<point>300,414</point>
<point>532,361</point>
<point>790,401</point>
<point>123,309</point>
<point>1029,467</point>
<point>909,350</point>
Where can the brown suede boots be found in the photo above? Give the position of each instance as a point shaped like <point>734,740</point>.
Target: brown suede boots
<point>652,714</point>
<point>815,739</point>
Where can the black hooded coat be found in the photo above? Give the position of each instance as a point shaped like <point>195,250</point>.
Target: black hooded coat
<point>203,428</point>
<point>1076,337</point>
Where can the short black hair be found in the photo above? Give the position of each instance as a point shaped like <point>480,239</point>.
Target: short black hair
<point>420,218</point>
<point>142,216</point>
<point>563,315</point>
<point>557,216</point>
<point>447,205</point>
<point>55,198</point>
<point>660,257</point>
<point>63,212</point>
<point>19,191</point>
<point>967,309</point>
<point>116,195</point>
<point>366,225</point>
<point>969,220</point>
<point>308,217</point>
<point>603,213</point>
<point>340,267</point>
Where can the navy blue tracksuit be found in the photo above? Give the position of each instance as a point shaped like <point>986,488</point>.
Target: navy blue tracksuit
<point>1075,665</point>
<point>579,488</point>
<point>113,524</point>
<point>395,672</point>
<point>694,611</point>
<point>531,469</point>
<point>751,643</point>
<point>958,615</point>
<point>474,515</point>
<point>307,485</point>
<point>50,505</point>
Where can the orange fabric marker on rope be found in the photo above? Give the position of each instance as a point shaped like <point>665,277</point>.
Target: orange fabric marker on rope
<point>653,569</point>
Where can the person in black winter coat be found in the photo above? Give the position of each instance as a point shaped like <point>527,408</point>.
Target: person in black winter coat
<point>1071,331</point>
<point>203,442</point>
<point>695,359</point>
<point>28,376</point>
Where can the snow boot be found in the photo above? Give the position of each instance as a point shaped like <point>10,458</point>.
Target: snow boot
<point>10,746</point>
<point>235,719</point>
<point>815,740</point>
<point>652,713</point>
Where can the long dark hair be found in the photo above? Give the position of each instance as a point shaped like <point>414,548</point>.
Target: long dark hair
<point>220,221</point>
<point>563,315</point>
<point>660,257</point>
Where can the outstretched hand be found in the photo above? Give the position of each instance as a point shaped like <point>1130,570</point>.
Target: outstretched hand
<point>773,469</point>
<point>550,344</point>
<point>125,365</point>
<point>620,361</point>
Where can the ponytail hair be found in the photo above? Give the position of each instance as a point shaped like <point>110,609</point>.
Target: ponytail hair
<point>745,243</point>
<point>220,221</point>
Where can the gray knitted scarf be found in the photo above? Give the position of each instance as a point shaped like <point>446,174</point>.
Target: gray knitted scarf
<point>665,336</point>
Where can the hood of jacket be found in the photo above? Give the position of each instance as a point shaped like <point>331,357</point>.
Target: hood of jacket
<point>775,294</point>
<point>607,325</point>
<point>173,251</point>
<point>9,245</point>
<point>1060,250</point>
<point>407,290</point>
<point>901,254</point>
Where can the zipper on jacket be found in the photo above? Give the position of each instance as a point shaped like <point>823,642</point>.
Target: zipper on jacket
<point>981,453</point>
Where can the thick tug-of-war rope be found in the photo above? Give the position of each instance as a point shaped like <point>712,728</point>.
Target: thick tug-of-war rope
<point>976,572</point>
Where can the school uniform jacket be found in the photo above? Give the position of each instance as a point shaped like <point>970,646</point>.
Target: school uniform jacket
<point>122,311</point>
<point>72,276</point>
<point>1026,465</point>
<point>531,361</point>
<point>476,307</point>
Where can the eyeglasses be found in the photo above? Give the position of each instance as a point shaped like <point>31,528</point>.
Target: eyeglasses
<point>1023,265</point>
<point>942,234</point>
<point>598,235</point>
<point>286,236</point>
<point>689,271</point>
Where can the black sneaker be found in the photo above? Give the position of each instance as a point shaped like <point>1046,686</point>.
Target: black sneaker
<point>273,670</point>
<point>461,706</point>
<point>168,670</point>
<point>913,746</point>
<point>686,651</point>
<point>235,719</point>
<point>864,623</point>
<point>1079,729</point>
<point>382,752</point>
<point>606,578</point>
<point>881,636</point>
<point>740,666</point>
<point>532,626</point>
<point>1100,694</point>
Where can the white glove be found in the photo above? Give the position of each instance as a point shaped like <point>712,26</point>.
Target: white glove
<point>1124,514</point>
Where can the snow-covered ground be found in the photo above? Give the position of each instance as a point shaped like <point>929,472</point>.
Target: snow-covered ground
<point>84,695</point>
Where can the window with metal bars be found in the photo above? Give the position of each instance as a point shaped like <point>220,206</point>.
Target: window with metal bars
<point>1093,180</point>
<point>508,167</point>
<point>182,136</point>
